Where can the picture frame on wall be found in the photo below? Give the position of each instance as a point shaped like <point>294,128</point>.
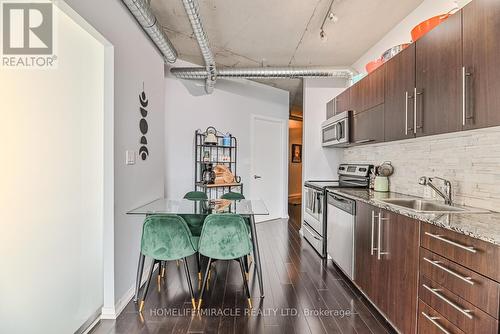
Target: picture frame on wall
<point>296,153</point>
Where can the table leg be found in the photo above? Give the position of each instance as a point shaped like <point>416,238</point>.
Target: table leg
<point>256,254</point>
<point>140,267</point>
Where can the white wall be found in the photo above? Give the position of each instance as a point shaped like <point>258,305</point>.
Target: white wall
<point>319,163</point>
<point>52,188</point>
<point>401,32</point>
<point>136,61</point>
<point>228,108</point>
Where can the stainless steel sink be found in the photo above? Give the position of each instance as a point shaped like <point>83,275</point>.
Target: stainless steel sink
<point>427,206</point>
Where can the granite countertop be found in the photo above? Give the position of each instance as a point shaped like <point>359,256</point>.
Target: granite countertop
<point>484,226</point>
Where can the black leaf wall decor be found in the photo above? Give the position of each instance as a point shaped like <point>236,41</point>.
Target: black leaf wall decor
<point>143,124</point>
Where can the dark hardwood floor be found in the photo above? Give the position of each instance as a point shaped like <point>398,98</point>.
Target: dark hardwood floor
<point>303,295</point>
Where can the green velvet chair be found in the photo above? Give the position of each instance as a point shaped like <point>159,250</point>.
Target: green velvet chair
<point>196,196</point>
<point>167,238</point>
<point>233,196</point>
<point>224,237</point>
<point>195,221</point>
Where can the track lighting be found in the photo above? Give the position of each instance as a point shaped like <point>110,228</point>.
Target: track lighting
<point>332,17</point>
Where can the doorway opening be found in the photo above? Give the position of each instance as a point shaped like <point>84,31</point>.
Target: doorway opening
<point>295,130</point>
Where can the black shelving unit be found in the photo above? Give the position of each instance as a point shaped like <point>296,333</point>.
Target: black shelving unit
<point>216,154</point>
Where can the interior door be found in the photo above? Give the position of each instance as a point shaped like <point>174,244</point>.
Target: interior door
<point>52,187</point>
<point>481,47</point>
<point>269,165</point>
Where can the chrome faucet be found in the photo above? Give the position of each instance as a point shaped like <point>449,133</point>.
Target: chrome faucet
<point>446,195</point>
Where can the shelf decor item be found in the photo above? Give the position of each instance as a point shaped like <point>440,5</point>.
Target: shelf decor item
<point>210,136</point>
<point>215,163</point>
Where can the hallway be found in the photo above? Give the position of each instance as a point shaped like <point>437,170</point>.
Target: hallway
<point>302,296</point>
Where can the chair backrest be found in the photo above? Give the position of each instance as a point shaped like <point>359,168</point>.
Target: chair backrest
<point>224,237</point>
<point>166,237</point>
<point>196,195</point>
<point>233,196</point>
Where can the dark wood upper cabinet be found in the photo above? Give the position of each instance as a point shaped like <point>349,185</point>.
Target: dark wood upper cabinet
<point>481,59</point>
<point>399,90</point>
<point>373,93</point>
<point>343,101</point>
<point>438,78</point>
<point>368,126</point>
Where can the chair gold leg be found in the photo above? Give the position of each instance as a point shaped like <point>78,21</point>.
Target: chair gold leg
<point>163,272</point>
<point>159,283</point>
<point>199,275</point>
<point>247,275</point>
<point>193,302</point>
<point>141,306</point>
<point>177,262</point>
<point>249,303</point>
<point>199,304</point>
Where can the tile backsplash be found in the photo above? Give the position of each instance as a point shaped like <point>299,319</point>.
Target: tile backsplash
<point>469,159</point>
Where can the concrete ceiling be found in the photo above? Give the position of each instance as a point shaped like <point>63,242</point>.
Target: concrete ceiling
<point>254,33</point>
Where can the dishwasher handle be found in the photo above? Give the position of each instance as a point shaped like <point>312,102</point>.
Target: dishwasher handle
<point>345,204</point>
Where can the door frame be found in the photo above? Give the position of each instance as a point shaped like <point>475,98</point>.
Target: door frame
<point>283,159</point>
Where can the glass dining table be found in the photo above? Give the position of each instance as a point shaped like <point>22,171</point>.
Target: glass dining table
<point>246,207</point>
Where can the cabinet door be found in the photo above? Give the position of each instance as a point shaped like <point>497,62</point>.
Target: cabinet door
<point>438,78</point>
<point>399,88</point>
<point>400,249</point>
<point>364,258</point>
<point>481,53</point>
<point>356,96</point>
<point>330,108</point>
<point>373,93</point>
<point>343,101</point>
<point>368,126</point>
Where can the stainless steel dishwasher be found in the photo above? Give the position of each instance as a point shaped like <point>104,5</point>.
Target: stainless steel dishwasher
<point>340,232</point>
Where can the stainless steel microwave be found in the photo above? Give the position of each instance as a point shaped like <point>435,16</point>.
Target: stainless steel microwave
<point>335,130</point>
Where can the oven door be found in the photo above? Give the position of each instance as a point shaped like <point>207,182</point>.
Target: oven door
<point>313,214</point>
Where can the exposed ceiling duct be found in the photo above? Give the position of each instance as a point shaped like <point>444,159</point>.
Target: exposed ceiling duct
<point>192,11</point>
<point>263,72</point>
<point>143,14</point>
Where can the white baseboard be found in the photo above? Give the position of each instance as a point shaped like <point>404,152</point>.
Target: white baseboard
<point>109,313</point>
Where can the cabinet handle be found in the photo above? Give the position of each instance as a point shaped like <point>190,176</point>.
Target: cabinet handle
<point>449,302</point>
<point>415,110</point>
<point>379,237</point>
<point>456,244</point>
<point>373,232</point>
<point>406,113</point>
<point>435,323</point>
<point>465,74</point>
<point>415,101</point>
<point>364,141</point>
<point>468,280</point>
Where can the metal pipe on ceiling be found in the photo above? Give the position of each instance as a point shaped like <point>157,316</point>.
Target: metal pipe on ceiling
<point>145,17</point>
<point>263,72</point>
<point>192,11</point>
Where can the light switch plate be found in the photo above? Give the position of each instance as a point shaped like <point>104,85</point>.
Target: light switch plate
<point>130,157</point>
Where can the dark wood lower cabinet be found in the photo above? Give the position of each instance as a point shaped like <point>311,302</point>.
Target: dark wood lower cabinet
<point>431,322</point>
<point>386,255</point>
<point>402,267</point>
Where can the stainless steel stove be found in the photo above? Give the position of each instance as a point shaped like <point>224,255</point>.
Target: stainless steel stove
<point>314,228</point>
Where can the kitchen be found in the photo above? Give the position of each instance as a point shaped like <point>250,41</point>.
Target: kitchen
<point>340,175</point>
